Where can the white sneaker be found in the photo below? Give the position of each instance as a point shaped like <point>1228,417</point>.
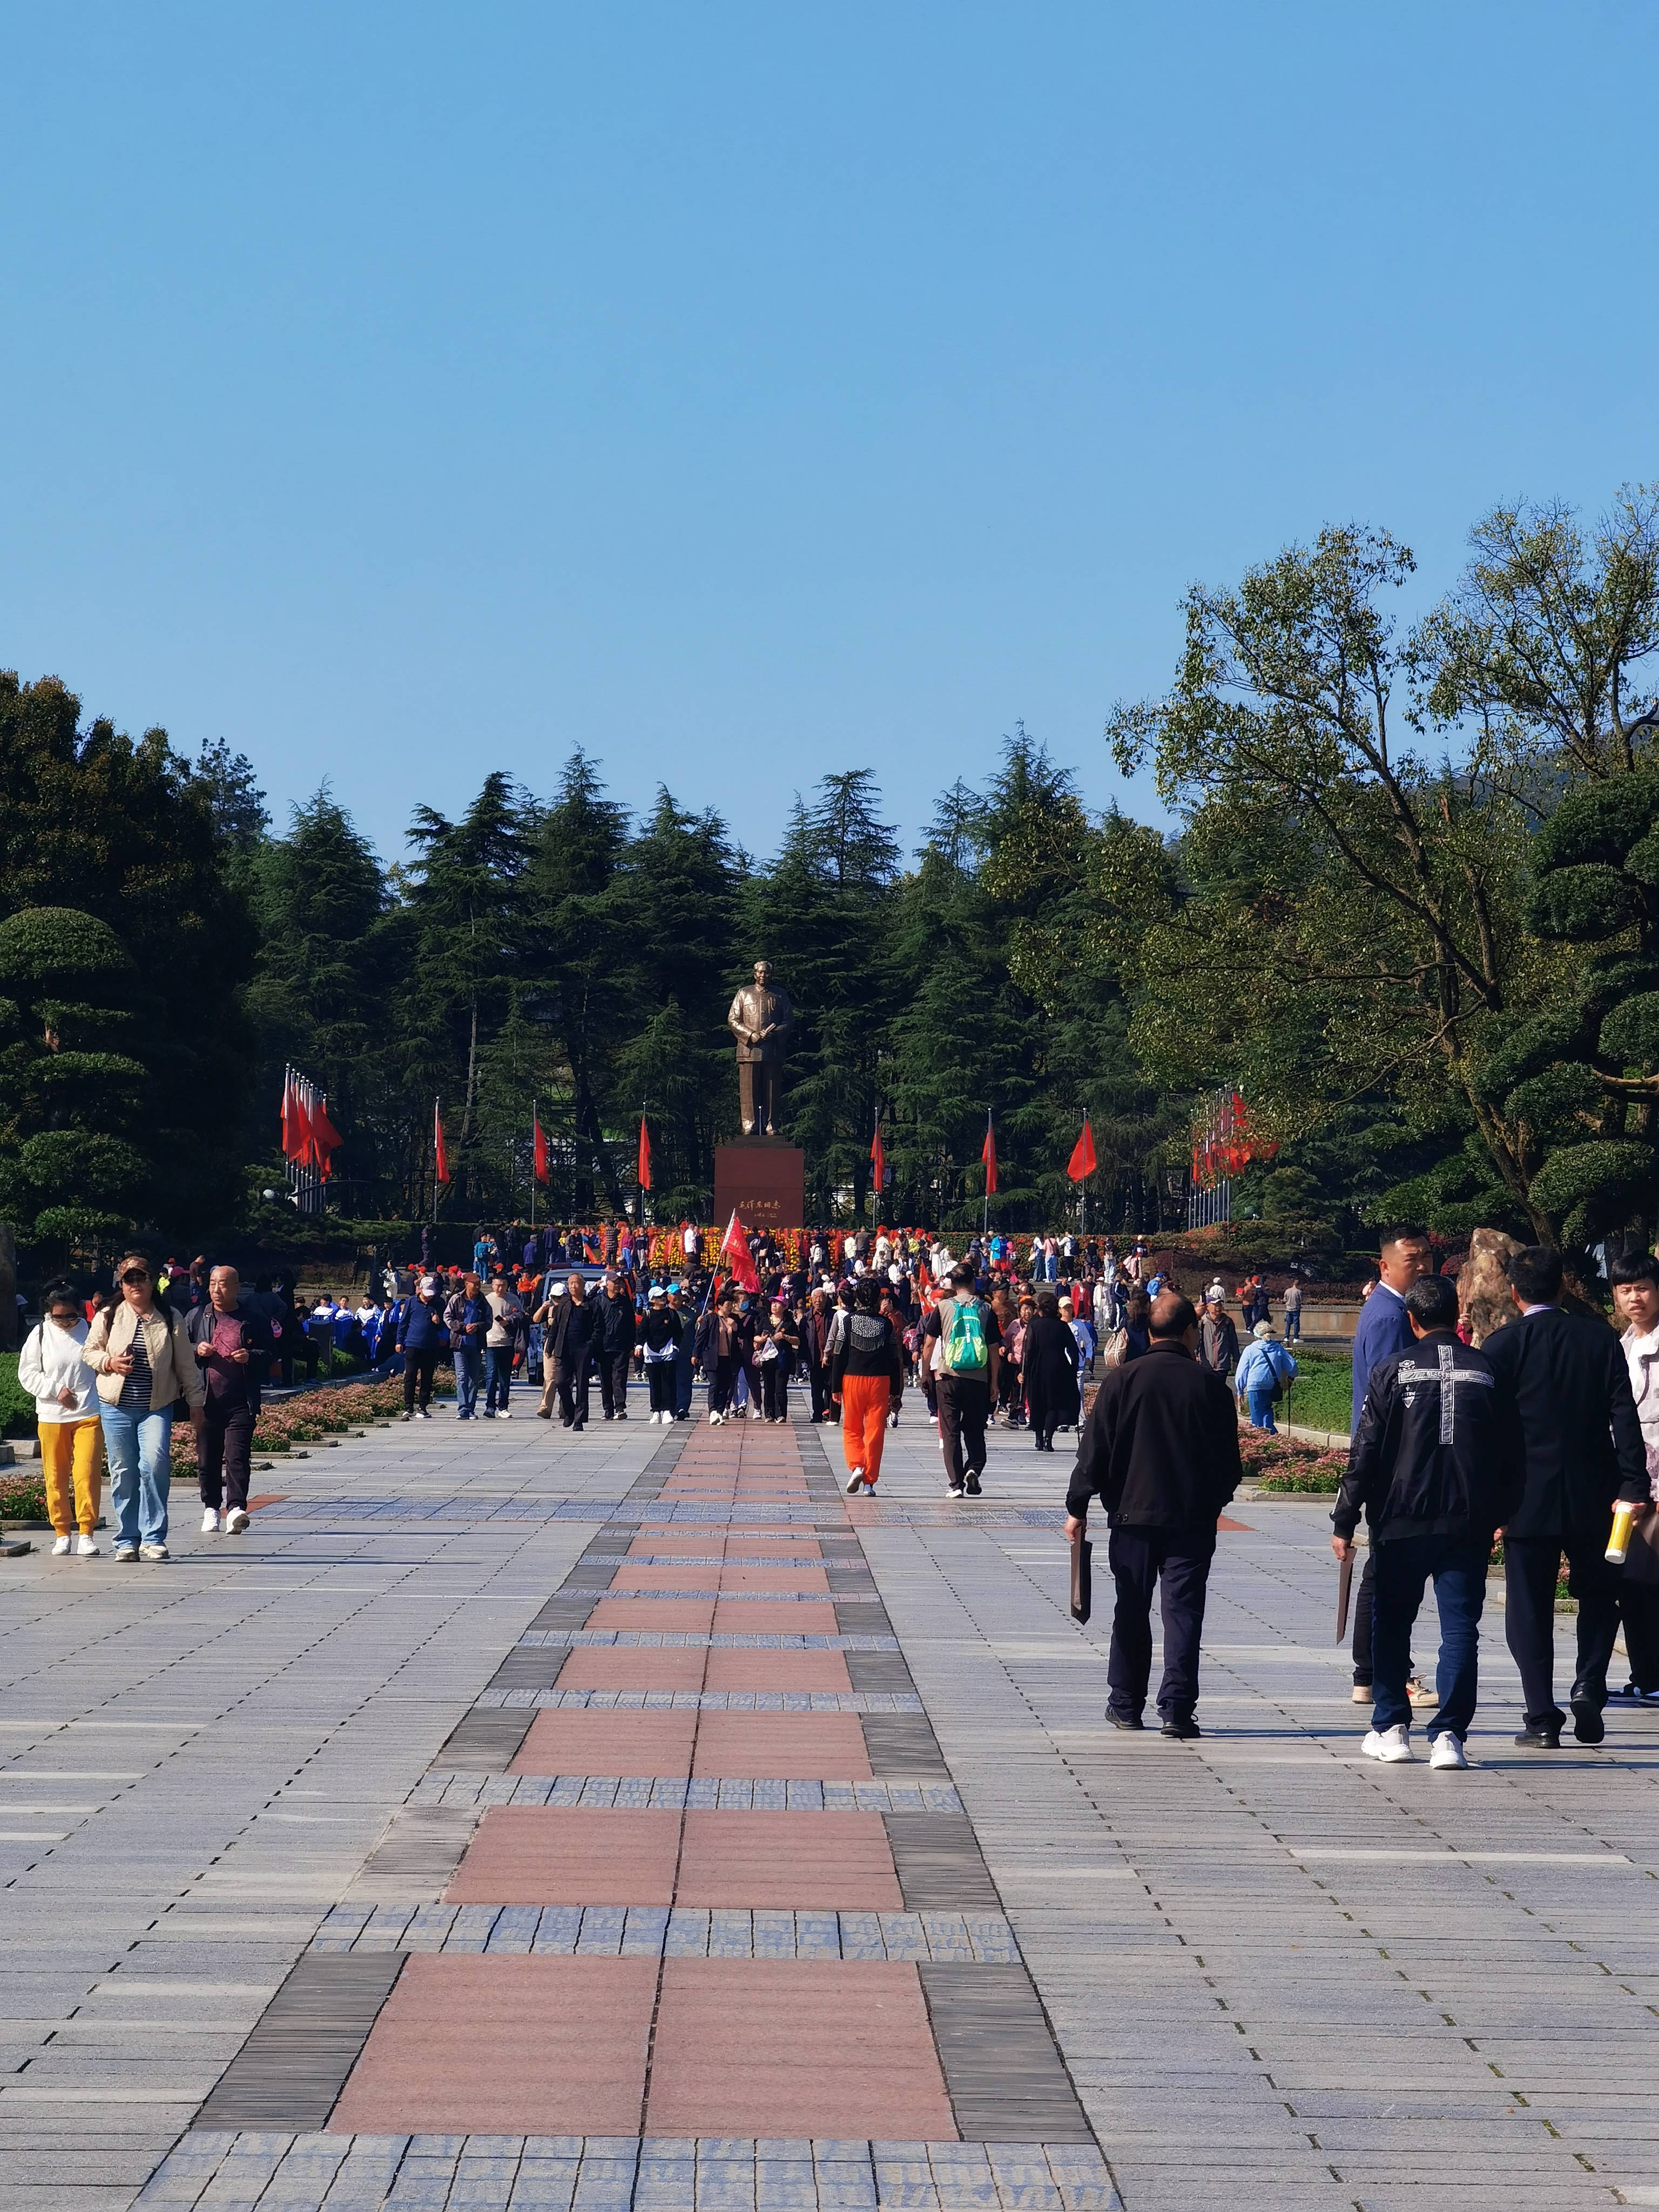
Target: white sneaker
<point>237,1521</point>
<point>855,1482</point>
<point>1392,1747</point>
<point>421,1415</point>
<point>503,1415</point>
<point>85,1548</point>
<point>714,1420</point>
<point>152,1551</point>
<point>1447,1752</point>
<point>60,1549</point>
<point>125,1553</point>
<point>210,1521</point>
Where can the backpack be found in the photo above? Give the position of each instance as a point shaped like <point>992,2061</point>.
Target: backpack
<point>964,1345</point>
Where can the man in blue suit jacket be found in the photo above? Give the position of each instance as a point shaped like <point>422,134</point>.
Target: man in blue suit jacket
<point>1383,1332</point>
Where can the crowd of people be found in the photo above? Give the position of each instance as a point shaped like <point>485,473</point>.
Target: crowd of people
<point>1545,1438</point>
<point>1533,1439</point>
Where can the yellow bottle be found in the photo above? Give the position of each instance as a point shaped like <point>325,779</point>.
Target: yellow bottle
<point>1623,1516</point>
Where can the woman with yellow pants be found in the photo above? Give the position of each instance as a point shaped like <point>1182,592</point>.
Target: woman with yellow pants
<point>64,1390</point>
<point>866,1375</point>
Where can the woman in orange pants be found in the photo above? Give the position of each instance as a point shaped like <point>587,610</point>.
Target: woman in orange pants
<point>866,1374</point>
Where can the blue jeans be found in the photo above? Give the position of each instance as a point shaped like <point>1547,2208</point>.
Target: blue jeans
<point>140,1472</point>
<point>498,1377</point>
<point>1292,1329</point>
<point>533,1358</point>
<point>469,1370</point>
<point>1458,1568</point>
<point>1261,1410</point>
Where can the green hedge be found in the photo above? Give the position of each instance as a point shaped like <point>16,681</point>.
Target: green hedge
<point>16,1407</point>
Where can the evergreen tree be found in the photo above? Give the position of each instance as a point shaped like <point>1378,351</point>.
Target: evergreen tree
<point>581,958</point>
<point>71,1091</point>
<point>822,914</point>
<point>465,905</point>
<point>330,952</point>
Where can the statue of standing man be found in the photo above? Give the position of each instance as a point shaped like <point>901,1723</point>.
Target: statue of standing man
<point>761,1019</point>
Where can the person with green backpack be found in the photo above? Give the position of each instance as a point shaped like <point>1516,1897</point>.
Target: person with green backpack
<point>961,1346</point>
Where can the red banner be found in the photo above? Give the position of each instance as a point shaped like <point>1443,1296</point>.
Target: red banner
<point>441,1155</point>
<point>540,1145</point>
<point>989,1155</point>
<point>1082,1162</point>
<point>644,1155</point>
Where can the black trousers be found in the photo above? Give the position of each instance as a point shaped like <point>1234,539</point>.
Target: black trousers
<point>1530,1566</point>
<point>1639,1607</point>
<point>818,1381</point>
<point>1365,1607</point>
<point>613,1382</point>
<point>419,1367</point>
<point>221,1454</point>
<point>660,1374</point>
<point>1175,1564</point>
<point>774,1390</point>
<point>720,1379</point>
<point>964,1407</point>
<point>571,1377</point>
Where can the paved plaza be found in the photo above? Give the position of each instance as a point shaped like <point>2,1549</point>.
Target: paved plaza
<point>629,1822</point>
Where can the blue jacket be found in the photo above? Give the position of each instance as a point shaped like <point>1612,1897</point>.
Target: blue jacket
<point>422,1329</point>
<point>1383,1332</point>
<point>1263,1362</point>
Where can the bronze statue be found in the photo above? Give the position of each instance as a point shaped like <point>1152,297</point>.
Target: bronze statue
<point>761,1019</point>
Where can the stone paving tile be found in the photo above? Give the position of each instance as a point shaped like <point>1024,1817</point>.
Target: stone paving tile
<point>542,2045</point>
<point>794,2043</point>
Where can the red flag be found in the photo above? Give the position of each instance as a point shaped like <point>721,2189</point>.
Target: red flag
<point>734,1247</point>
<point>438,1142</point>
<point>988,1154</point>
<point>304,1136</point>
<point>1082,1162</point>
<point>541,1145</point>
<point>644,1155</point>
<point>878,1159</point>
<point>323,1134</point>
<point>290,1125</point>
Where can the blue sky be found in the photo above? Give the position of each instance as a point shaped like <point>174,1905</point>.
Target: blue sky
<point>744,392</point>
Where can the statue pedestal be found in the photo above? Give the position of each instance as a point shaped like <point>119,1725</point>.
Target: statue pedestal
<point>764,1180</point>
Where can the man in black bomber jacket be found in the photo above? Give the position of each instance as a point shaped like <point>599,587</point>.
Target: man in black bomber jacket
<point>1435,1466</point>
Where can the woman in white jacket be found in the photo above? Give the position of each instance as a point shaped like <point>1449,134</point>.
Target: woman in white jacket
<point>51,1370</point>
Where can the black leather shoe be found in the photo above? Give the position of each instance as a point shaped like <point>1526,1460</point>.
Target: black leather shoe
<point>1124,1720</point>
<point>1587,1723</point>
<point>1533,1739</point>
<point>1176,1726</point>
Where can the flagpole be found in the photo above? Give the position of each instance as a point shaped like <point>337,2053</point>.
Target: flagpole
<point>532,1161</point>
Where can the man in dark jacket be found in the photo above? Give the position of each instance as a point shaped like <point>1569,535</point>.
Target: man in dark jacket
<point>1217,1339</point>
<point>1381,1332</point>
<point>573,1333</point>
<point>1435,1468</point>
<point>1160,1448</point>
<point>815,1350</point>
<point>617,1329</point>
<point>233,1344</point>
<point>1583,1448</point>
<point>422,1338</point>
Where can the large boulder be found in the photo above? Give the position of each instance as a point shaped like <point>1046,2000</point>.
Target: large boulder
<point>1483,1283</point>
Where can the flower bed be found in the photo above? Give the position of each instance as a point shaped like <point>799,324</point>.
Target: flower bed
<point>314,1414</point>
<point>1279,1466</point>
<point>22,1494</point>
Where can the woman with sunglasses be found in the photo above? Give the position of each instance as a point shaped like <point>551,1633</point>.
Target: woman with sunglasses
<point>141,1353</point>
